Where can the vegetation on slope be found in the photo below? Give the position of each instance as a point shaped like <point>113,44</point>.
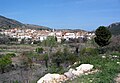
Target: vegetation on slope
<point>115,28</point>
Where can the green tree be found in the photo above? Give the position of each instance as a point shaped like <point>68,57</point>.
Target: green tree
<point>50,41</point>
<point>39,50</point>
<point>46,60</point>
<point>4,62</point>
<point>103,36</point>
<point>11,55</point>
<point>22,41</point>
<point>57,58</point>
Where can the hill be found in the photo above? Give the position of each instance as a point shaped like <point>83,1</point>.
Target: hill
<point>115,28</point>
<point>37,27</point>
<point>7,23</point>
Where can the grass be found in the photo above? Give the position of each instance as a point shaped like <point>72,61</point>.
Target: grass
<point>107,66</point>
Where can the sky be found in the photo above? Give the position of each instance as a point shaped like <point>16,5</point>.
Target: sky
<point>63,14</point>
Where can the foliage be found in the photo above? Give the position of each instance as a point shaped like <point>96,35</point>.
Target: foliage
<point>46,58</point>
<point>115,44</point>
<point>55,69</point>
<point>39,50</point>
<point>4,62</point>
<point>72,58</point>
<point>102,36</point>
<point>108,70</point>
<point>64,57</point>
<point>4,40</point>
<point>57,58</point>
<point>50,41</point>
<point>22,41</point>
<point>89,52</point>
<point>27,59</point>
<point>65,51</point>
<point>13,39</point>
<point>114,28</point>
<point>11,54</point>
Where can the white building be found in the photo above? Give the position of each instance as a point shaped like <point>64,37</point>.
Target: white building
<point>67,36</point>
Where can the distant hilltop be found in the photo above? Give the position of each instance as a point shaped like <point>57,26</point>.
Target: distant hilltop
<point>115,28</point>
<point>7,23</point>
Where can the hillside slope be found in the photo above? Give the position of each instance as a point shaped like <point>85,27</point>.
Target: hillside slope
<point>7,23</point>
<point>115,28</point>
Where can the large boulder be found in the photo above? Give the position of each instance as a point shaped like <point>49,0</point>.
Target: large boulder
<point>51,78</point>
<point>77,73</point>
<point>84,67</point>
<point>69,74</point>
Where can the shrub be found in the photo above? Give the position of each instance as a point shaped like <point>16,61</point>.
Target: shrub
<point>4,62</point>
<point>89,51</point>
<point>39,50</point>
<point>11,54</point>
<point>57,58</point>
<point>55,69</point>
<point>72,58</point>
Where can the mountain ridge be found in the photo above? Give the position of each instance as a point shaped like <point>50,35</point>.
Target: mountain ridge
<point>7,23</point>
<point>114,28</point>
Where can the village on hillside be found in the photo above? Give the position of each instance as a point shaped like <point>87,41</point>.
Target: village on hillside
<point>40,35</point>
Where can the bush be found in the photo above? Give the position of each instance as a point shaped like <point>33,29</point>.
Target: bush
<point>72,58</point>
<point>58,58</point>
<point>108,70</point>
<point>39,50</point>
<point>89,51</point>
<point>11,55</point>
<point>55,69</point>
<point>4,62</point>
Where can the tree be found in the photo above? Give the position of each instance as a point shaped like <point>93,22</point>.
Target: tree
<point>50,42</point>
<point>46,60</point>
<point>57,58</point>
<point>103,36</point>
<point>22,41</point>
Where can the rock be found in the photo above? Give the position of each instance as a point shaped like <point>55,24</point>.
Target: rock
<point>118,62</point>
<point>69,74</point>
<point>52,78</point>
<point>44,79</point>
<point>70,70</point>
<point>94,71</point>
<point>77,73</point>
<point>84,67</point>
<point>117,79</point>
<point>103,56</point>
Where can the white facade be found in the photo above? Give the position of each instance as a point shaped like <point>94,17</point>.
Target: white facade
<point>69,35</point>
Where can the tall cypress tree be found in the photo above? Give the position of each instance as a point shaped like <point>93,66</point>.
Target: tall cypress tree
<point>103,36</point>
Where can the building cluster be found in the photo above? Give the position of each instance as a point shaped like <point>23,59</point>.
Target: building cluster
<point>40,35</point>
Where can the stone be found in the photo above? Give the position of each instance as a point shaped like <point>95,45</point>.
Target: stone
<point>52,78</point>
<point>69,74</point>
<point>84,67</point>
<point>77,73</point>
<point>103,56</point>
